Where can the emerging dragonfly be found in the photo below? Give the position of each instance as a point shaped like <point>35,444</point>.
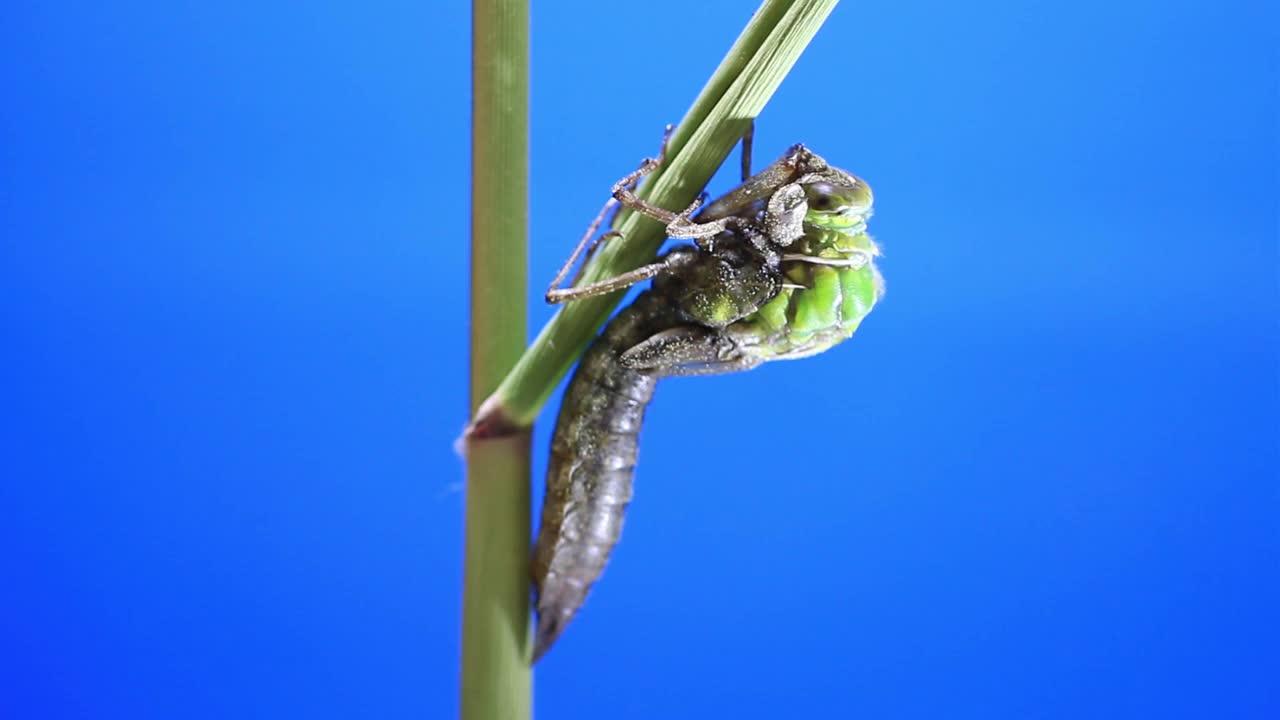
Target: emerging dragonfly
<point>782,267</point>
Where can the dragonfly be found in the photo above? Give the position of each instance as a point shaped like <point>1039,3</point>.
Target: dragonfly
<point>780,267</point>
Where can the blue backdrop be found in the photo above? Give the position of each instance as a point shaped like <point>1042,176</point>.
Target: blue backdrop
<point>1042,481</point>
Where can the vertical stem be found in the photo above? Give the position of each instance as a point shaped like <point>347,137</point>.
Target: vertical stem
<point>496,678</point>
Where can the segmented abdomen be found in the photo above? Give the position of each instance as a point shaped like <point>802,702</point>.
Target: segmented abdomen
<point>820,307</point>
<point>593,453</point>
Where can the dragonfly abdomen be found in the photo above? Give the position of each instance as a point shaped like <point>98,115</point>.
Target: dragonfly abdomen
<point>589,475</point>
<point>819,307</point>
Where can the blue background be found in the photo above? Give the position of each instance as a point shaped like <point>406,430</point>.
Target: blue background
<point>1041,482</point>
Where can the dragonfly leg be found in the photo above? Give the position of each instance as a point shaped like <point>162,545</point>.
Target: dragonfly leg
<point>679,225</point>
<point>587,244</point>
<point>748,140</point>
<point>797,162</point>
<point>632,181</point>
<point>624,191</point>
<point>688,350</point>
<point>683,227</point>
<point>608,285</point>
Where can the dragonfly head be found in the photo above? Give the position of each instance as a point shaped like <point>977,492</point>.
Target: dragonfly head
<point>837,200</point>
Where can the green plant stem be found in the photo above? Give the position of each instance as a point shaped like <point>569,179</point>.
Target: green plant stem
<point>747,77</point>
<point>496,678</point>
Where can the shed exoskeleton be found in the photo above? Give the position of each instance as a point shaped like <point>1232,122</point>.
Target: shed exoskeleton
<point>781,267</point>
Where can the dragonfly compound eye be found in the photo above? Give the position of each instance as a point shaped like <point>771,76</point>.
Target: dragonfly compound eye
<point>852,199</point>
